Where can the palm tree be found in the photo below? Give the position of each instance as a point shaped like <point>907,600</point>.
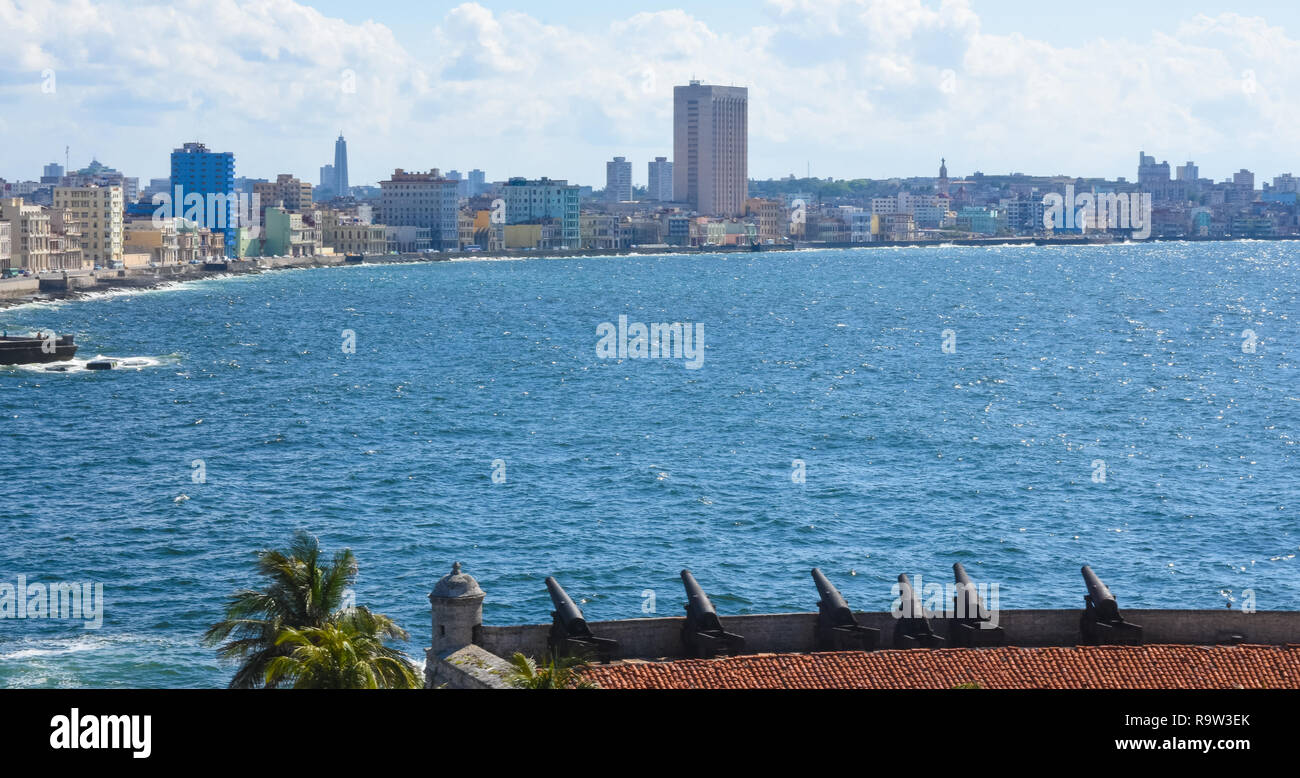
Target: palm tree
<point>301,594</point>
<point>556,673</point>
<point>346,653</point>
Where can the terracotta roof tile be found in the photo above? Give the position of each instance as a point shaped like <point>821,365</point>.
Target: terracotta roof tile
<point>1078,667</point>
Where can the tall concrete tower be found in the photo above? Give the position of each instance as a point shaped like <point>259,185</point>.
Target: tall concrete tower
<point>711,148</point>
<point>341,166</point>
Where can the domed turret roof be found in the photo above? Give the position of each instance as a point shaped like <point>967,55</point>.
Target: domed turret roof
<point>457,584</point>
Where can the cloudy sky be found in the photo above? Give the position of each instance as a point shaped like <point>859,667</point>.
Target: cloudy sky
<point>846,88</point>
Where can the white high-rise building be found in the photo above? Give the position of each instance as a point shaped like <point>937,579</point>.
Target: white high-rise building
<point>660,187</point>
<point>618,180</point>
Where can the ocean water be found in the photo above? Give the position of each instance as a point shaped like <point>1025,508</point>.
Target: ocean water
<point>618,473</point>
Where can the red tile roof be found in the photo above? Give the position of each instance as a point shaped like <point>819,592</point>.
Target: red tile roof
<point>1079,667</point>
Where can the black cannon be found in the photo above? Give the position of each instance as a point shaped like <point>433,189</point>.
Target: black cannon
<point>973,624</point>
<point>1101,623</point>
<point>702,634</point>
<point>837,628</point>
<point>913,629</point>
<point>570,635</point>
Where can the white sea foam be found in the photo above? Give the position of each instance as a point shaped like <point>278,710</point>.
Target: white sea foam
<point>79,365</point>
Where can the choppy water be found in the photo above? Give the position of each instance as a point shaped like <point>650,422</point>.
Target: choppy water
<point>620,473</point>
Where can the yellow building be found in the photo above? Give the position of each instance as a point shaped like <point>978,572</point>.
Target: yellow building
<point>350,235</point>
<point>525,236</point>
<point>771,217</point>
<point>487,236</point>
<point>29,234</point>
<point>101,211</point>
<point>158,241</point>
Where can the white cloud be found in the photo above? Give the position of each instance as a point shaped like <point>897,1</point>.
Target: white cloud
<point>855,86</point>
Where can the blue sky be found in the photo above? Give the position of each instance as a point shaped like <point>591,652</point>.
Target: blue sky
<point>846,88</point>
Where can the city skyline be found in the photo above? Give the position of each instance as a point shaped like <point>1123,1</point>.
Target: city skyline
<point>533,95</point>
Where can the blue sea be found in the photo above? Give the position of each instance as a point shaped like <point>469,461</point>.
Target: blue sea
<point>1022,410</point>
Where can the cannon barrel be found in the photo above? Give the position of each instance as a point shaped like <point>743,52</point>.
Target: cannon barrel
<point>912,628</point>
<point>968,603</point>
<point>698,604</point>
<point>837,628</point>
<point>907,596</point>
<point>570,635</point>
<point>1102,599</point>
<point>569,614</point>
<point>702,633</point>
<point>832,603</point>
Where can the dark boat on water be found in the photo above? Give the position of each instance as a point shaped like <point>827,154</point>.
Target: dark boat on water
<point>40,347</point>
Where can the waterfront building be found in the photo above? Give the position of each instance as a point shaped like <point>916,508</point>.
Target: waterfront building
<point>660,182</point>
<point>351,234</point>
<point>465,228</point>
<point>65,241</point>
<point>858,222</point>
<point>289,234</point>
<point>602,231</point>
<point>195,170</point>
<point>286,191</point>
<point>893,226</point>
<point>197,243</point>
<point>677,230</point>
<point>618,180</point>
<point>536,235</point>
<point>929,215</point>
<point>770,216</point>
<point>29,230</point>
<point>983,221</point>
<point>157,240</point>
<point>643,230</point>
<point>544,201</point>
<point>101,213</point>
<point>1023,215</point>
<point>6,246</point>
<point>426,200</point>
<point>341,188</point>
<point>408,239</point>
<point>710,148</point>
<point>488,235</point>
